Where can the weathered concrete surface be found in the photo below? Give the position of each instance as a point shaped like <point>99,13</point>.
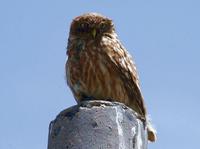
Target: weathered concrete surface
<point>97,125</point>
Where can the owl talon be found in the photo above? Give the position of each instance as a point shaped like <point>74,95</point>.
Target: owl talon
<point>86,98</point>
<point>110,99</point>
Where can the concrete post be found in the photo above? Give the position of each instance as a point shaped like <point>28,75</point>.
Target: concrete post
<point>97,125</point>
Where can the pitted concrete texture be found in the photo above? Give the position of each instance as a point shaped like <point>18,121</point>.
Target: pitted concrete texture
<point>97,125</point>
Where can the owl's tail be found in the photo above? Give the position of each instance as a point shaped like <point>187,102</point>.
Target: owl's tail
<point>151,131</point>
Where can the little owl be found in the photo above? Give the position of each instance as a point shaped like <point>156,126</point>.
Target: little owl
<point>100,68</point>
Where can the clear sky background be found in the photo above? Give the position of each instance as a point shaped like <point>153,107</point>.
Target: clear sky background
<point>163,36</point>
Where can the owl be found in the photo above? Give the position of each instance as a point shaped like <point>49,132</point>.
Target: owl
<point>100,68</point>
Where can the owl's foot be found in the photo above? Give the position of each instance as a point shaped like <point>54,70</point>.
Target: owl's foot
<point>86,98</point>
<point>109,99</point>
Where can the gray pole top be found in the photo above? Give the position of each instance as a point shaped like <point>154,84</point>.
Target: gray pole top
<point>97,125</point>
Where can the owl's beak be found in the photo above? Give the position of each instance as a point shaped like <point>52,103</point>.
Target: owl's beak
<point>94,33</point>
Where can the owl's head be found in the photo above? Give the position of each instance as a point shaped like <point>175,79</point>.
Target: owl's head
<point>91,25</point>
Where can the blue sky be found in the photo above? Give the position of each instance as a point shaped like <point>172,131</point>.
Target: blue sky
<point>163,36</point>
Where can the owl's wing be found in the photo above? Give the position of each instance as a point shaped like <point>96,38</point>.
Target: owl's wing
<point>123,63</point>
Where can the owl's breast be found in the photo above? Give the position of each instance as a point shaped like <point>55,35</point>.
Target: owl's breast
<point>92,75</point>
<point>80,61</point>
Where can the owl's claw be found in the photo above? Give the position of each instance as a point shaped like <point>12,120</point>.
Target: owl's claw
<point>86,98</point>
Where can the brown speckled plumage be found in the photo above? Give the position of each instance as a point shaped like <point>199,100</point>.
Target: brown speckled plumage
<point>98,66</point>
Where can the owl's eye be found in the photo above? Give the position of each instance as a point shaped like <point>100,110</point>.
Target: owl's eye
<point>83,27</point>
<point>103,27</point>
